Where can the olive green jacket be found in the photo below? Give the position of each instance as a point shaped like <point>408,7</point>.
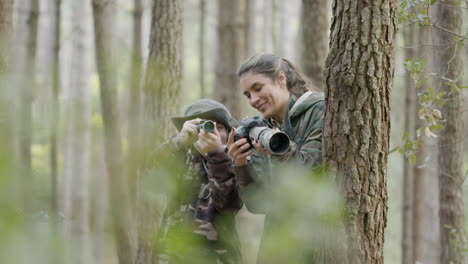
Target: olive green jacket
<point>303,124</point>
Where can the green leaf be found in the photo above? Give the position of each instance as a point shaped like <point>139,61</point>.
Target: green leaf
<point>436,127</point>
<point>394,149</point>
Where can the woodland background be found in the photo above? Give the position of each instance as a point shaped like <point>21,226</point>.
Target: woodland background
<point>87,88</point>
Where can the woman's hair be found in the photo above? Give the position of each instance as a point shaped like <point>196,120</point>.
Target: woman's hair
<point>270,65</point>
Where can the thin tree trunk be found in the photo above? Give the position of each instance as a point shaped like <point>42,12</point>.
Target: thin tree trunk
<point>287,37</point>
<point>274,27</point>
<point>103,12</point>
<point>420,38</point>
<point>451,137</point>
<point>267,22</point>
<point>314,32</point>
<point>201,47</point>
<point>77,142</point>
<point>25,104</point>
<point>6,106</point>
<point>231,53</point>
<point>410,129</point>
<point>55,22</point>
<point>359,76</point>
<point>135,130</point>
<point>250,27</point>
<point>6,32</point>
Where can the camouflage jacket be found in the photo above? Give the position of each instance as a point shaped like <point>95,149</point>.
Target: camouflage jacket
<point>198,225</point>
<point>303,124</point>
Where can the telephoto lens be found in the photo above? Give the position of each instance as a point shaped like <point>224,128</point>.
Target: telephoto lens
<point>274,141</point>
<point>206,125</point>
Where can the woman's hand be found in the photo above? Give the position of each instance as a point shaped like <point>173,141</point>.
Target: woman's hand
<point>259,147</point>
<point>237,150</point>
<point>208,142</point>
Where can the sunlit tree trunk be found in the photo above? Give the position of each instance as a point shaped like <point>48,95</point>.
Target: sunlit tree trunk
<point>161,95</point>
<point>451,137</point>
<point>55,23</point>
<point>230,54</point>
<point>314,33</point>
<point>77,141</point>
<point>359,77</point>
<point>104,35</point>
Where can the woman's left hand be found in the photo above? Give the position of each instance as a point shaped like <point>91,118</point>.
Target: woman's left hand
<point>208,142</point>
<point>259,147</point>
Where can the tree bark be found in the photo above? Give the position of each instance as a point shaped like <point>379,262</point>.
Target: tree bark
<point>288,41</point>
<point>161,95</point>
<point>6,106</point>
<point>359,76</point>
<point>163,76</point>
<point>55,23</point>
<point>410,129</point>
<point>135,129</point>
<point>26,103</point>
<point>231,52</point>
<point>103,12</point>
<point>314,33</point>
<point>201,48</point>
<point>77,142</point>
<point>6,31</point>
<point>451,137</point>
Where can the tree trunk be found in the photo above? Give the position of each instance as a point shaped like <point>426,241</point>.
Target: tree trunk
<point>6,106</point>
<point>451,137</point>
<point>231,52</point>
<point>163,75</point>
<point>135,129</point>
<point>6,31</point>
<point>289,11</point>
<point>103,12</point>
<point>314,32</point>
<point>414,184</point>
<point>359,76</point>
<point>25,105</point>
<point>410,129</point>
<point>55,23</point>
<point>161,95</point>
<point>201,48</point>
<point>77,142</point>
<point>419,185</point>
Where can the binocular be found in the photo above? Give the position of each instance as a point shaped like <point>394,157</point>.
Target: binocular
<point>206,125</point>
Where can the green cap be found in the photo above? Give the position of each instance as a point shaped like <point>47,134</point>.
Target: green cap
<point>206,109</point>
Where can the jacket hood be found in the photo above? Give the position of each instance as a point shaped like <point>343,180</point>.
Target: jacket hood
<point>304,102</point>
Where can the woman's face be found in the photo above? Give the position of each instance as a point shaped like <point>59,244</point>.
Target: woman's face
<point>269,97</point>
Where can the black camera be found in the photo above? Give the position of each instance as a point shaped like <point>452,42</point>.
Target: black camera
<point>207,125</point>
<point>255,127</point>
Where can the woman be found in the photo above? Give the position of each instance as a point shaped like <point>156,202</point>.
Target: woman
<point>283,96</point>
